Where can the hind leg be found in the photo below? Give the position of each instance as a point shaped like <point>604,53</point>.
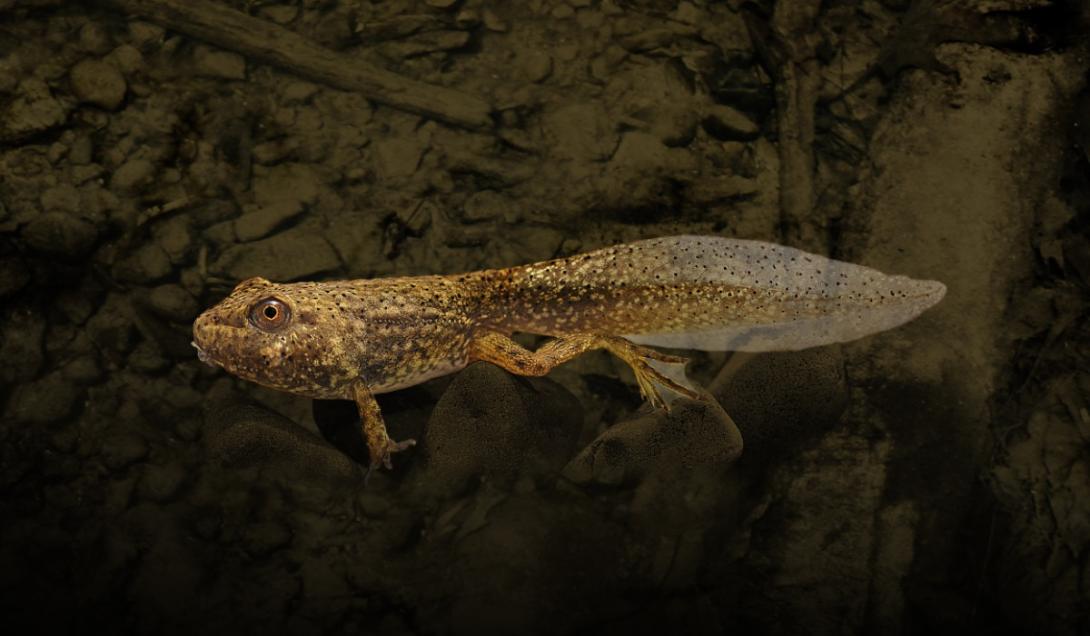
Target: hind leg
<point>502,351</point>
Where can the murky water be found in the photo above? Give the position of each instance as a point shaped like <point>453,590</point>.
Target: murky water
<point>935,474</point>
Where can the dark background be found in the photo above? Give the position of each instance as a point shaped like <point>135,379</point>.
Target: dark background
<point>933,476</point>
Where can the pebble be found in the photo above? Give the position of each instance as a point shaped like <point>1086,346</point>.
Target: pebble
<point>83,370</point>
<point>161,484</point>
<point>536,65</point>
<point>483,206</point>
<point>643,152</point>
<point>148,264</point>
<point>726,123</point>
<point>76,304</point>
<point>264,538</point>
<point>397,158</point>
<point>127,58</point>
<point>81,150</point>
<point>192,281</point>
<point>98,83</point>
<point>286,182</point>
<point>280,14</point>
<point>493,22</point>
<point>216,63</point>
<point>563,11</point>
<point>260,221</point>
<point>14,275</point>
<point>33,111</point>
<point>173,303</point>
<point>132,175</point>
<point>581,131</point>
<point>60,234</point>
<point>49,399</point>
<point>145,33</point>
<point>122,450</point>
<point>175,238</point>
<point>21,345</point>
<point>94,39</point>
<point>147,358</point>
<point>293,255</point>
<point>61,198</point>
<point>688,13</point>
<point>111,328</point>
<point>298,92</point>
<point>675,126</point>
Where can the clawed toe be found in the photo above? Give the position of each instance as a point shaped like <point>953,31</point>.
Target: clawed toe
<point>382,455</point>
<point>647,377</point>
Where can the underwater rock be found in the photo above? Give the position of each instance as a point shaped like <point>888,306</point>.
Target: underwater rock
<point>60,234</point>
<point>21,344</point>
<point>48,399</point>
<point>243,434</point>
<point>61,198</point>
<point>727,124</point>
<point>94,39</point>
<point>782,400</point>
<point>495,425</point>
<point>14,275</point>
<point>691,435</point>
<point>397,158</point>
<point>260,221</point>
<point>132,175</point>
<point>161,484</point>
<point>121,450</point>
<point>83,370</point>
<point>292,255</point>
<point>172,302</point>
<point>266,537</point>
<point>111,329</point>
<point>543,558</point>
<point>126,58</point>
<point>535,65</point>
<point>33,111</point>
<point>581,131</point>
<point>220,64</point>
<point>275,185</point>
<point>98,83</point>
<point>659,98</point>
<point>147,264</point>
<point>484,205</point>
<point>169,575</point>
<point>175,238</point>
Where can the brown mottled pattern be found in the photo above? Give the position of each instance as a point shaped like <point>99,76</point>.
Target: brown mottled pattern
<point>390,333</point>
<point>686,291</point>
<point>704,293</point>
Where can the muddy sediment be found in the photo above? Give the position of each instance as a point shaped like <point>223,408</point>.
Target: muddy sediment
<point>932,475</point>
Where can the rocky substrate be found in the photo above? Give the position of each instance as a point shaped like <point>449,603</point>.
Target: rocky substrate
<point>932,475</point>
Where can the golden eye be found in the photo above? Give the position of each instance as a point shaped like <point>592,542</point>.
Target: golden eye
<point>270,314</point>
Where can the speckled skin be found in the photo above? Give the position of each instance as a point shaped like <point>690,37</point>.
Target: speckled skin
<point>352,339</point>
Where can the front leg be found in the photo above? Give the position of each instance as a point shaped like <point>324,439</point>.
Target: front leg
<point>505,352</point>
<point>379,444</point>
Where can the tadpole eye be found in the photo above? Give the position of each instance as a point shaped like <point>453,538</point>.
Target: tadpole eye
<point>270,314</point>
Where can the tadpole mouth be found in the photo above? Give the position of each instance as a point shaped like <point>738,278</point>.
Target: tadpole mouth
<point>202,356</point>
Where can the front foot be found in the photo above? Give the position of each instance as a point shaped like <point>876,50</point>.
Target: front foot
<point>379,445</point>
<point>381,455</point>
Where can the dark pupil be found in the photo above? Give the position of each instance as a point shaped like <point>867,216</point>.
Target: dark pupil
<point>270,312</point>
